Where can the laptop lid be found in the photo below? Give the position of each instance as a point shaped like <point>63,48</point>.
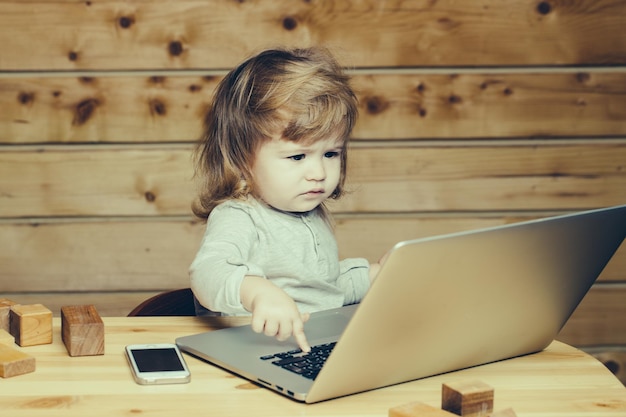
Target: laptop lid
<point>440,304</point>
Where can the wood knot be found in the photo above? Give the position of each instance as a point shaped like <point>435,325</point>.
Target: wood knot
<point>84,111</point>
<point>420,88</point>
<point>72,56</point>
<point>447,23</point>
<point>149,196</point>
<point>376,105</point>
<point>544,8</point>
<point>583,77</point>
<point>86,80</point>
<point>26,98</point>
<point>507,91</point>
<point>157,79</point>
<point>290,23</point>
<point>195,88</point>
<point>422,112</point>
<point>126,22</point>
<point>157,107</point>
<point>175,48</point>
<point>454,99</point>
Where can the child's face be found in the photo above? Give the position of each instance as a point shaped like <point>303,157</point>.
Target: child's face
<point>295,177</point>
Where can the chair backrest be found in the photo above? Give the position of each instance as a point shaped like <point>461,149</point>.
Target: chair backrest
<point>169,303</point>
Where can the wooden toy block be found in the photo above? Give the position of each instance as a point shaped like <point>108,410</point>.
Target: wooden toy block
<point>418,409</point>
<point>82,330</point>
<point>467,399</point>
<point>13,362</point>
<point>504,413</point>
<point>31,324</point>
<point>5,308</point>
<point>6,338</point>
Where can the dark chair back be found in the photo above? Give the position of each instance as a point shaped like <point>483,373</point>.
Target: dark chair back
<point>169,303</point>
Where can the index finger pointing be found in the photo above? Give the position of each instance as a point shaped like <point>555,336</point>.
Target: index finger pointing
<point>298,334</point>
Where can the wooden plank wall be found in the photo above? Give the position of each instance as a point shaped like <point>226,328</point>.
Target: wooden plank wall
<point>473,114</point>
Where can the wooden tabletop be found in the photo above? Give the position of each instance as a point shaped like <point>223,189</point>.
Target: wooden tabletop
<point>560,381</point>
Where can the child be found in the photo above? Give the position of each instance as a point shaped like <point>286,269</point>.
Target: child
<point>273,150</point>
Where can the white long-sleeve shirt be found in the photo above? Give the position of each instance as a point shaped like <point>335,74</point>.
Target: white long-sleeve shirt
<point>297,252</point>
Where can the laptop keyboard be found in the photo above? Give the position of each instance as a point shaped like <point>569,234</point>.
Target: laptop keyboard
<point>306,364</point>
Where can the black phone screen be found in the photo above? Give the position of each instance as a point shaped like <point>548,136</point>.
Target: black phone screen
<point>157,360</point>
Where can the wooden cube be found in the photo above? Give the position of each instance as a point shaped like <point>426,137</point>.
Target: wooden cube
<point>418,409</point>
<point>82,330</point>
<point>467,399</point>
<point>13,362</point>
<point>31,324</point>
<point>5,308</point>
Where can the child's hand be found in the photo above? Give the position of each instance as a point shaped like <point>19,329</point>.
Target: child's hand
<point>280,318</point>
<point>375,267</point>
<point>274,313</point>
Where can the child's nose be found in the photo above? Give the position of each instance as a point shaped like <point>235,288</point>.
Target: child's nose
<point>317,171</point>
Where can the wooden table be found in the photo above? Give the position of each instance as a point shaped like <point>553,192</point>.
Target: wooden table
<point>560,381</point>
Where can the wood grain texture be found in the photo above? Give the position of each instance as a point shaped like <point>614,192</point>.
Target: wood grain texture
<point>599,318</point>
<point>6,338</point>
<point>597,321</point>
<point>99,256</point>
<point>576,385</point>
<point>491,105</point>
<point>613,358</point>
<point>416,408</point>
<point>467,398</point>
<point>31,324</point>
<point>393,106</point>
<point>158,180</point>
<point>82,330</point>
<point>145,255</point>
<point>5,309</point>
<point>472,114</point>
<point>507,412</point>
<point>113,34</point>
<point>74,182</point>
<point>108,303</point>
<point>109,108</point>
<point>14,362</point>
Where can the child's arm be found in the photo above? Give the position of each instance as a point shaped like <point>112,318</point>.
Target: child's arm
<point>373,271</point>
<point>273,312</point>
<point>356,275</point>
<point>375,267</point>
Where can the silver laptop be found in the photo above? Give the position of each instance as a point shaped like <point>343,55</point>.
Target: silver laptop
<point>439,304</point>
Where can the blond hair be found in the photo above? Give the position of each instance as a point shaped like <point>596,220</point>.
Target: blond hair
<point>301,95</point>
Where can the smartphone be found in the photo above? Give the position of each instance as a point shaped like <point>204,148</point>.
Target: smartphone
<point>160,363</point>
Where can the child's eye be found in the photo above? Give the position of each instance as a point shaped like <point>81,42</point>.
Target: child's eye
<point>298,157</point>
<point>331,154</point>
